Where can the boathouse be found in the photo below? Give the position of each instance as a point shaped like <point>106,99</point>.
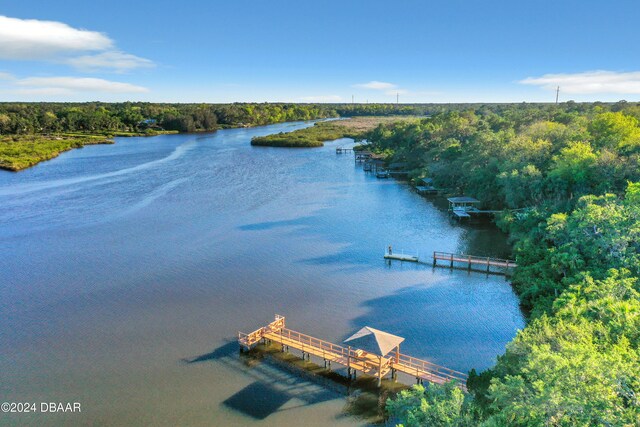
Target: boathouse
<point>463,206</point>
<point>426,186</point>
<point>382,173</point>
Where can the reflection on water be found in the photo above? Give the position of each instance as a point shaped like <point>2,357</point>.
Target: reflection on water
<point>120,264</point>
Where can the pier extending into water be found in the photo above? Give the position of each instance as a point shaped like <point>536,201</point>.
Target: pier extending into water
<point>471,260</point>
<point>353,358</point>
<point>459,261</point>
<point>341,150</point>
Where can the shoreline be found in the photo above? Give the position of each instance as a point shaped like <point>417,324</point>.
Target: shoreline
<point>79,140</point>
<point>31,150</point>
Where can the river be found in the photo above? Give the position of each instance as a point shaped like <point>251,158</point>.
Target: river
<point>126,271</point>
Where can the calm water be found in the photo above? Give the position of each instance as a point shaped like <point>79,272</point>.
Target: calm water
<point>126,271</point>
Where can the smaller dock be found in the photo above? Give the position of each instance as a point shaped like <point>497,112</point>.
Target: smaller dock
<point>343,150</point>
<point>470,260</point>
<point>426,187</point>
<point>382,173</point>
<point>464,207</point>
<point>361,156</point>
<point>401,257</point>
<point>427,190</point>
<point>460,214</point>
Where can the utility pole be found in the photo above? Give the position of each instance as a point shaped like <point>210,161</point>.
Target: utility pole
<point>557,93</point>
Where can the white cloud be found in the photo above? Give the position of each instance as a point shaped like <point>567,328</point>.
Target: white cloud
<point>34,39</point>
<point>115,60</point>
<point>6,76</point>
<point>322,98</point>
<point>68,85</point>
<point>376,85</point>
<point>589,82</point>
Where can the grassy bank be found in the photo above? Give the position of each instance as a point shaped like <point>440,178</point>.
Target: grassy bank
<point>18,152</point>
<point>21,152</point>
<point>316,135</point>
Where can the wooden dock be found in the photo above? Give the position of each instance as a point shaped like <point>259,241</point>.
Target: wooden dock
<point>361,156</point>
<point>471,260</point>
<point>341,150</point>
<point>354,359</point>
<point>401,257</point>
<point>382,173</point>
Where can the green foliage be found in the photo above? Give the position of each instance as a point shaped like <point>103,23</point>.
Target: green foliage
<point>44,118</point>
<point>567,177</point>
<point>316,135</point>
<point>578,367</point>
<point>44,130</point>
<point>435,405</point>
<point>615,130</point>
<point>21,152</point>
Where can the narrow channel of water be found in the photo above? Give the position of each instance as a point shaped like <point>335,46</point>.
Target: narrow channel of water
<point>126,271</point>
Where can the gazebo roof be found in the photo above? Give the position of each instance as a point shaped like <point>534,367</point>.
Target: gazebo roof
<point>374,341</point>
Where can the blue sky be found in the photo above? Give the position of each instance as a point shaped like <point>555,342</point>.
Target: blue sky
<point>425,51</point>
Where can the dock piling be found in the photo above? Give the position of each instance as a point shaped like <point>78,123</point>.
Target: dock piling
<point>471,260</point>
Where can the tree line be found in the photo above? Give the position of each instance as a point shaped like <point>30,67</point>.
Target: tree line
<point>566,177</point>
<point>99,117</point>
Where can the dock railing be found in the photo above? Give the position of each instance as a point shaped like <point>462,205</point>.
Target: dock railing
<point>352,358</point>
<point>433,372</point>
<point>247,340</point>
<point>472,260</point>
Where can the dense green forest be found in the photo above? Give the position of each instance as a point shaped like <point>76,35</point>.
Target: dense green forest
<point>34,132</point>
<point>566,177</point>
<point>38,118</point>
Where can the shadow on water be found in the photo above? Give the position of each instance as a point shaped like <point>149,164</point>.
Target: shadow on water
<point>226,350</point>
<point>257,400</point>
<point>282,379</point>
<point>274,385</point>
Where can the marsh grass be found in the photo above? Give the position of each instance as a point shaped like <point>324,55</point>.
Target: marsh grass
<point>19,152</point>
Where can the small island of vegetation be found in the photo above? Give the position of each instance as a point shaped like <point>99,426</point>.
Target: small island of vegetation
<point>317,135</point>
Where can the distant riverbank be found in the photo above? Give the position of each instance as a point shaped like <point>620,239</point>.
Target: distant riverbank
<point>315,136</point>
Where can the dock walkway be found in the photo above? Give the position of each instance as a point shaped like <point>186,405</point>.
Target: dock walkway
<point>401,257</point>
<point>472,260</point>
<point>353,358</point>
<point>455,260</point>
